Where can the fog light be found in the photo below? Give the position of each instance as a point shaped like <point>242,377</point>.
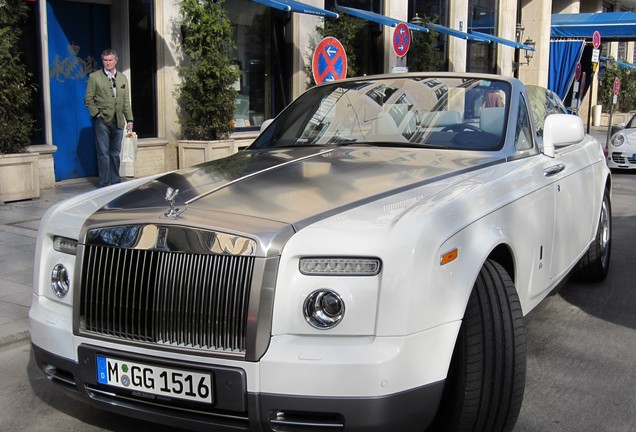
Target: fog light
<point>323,309</point>
<point>325,266</point>
<point>65,245</point>
<point>60,282</point>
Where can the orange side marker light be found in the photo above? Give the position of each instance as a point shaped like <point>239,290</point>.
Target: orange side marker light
<point>449,256</point>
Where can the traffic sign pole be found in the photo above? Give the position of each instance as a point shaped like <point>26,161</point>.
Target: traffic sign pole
<point>616,90</point>
<point>596,43</point>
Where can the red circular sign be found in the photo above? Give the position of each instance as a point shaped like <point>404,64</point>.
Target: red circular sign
<point>582,89</point>
<point>401,39</point>
<point>330,61</point>
<point>596,39</point>
<point>617,86</point>
<point>577,72</point>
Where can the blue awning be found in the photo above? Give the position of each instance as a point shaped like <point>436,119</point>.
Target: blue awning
<point>456,33</point>
<point>620,63</point>
<point>392,22</point>
<point>296,6</point>
<point>376,17</point>
<point>611,25</point>
<point>626,65</point>
<point>503,41</point>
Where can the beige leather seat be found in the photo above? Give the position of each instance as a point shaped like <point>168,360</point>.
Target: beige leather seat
<point>491,120</point>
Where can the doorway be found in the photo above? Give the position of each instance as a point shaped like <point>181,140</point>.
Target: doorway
<point>77,34</point>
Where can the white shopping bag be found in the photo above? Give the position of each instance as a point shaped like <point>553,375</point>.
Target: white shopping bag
<point>128,155</point>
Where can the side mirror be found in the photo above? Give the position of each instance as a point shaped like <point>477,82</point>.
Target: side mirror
<point>265,124</point>
<point>560,130</point>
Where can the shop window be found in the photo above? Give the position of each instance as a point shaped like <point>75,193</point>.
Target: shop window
<point>31,51</point>
<point>143,67</point>
<point>256,58</point>
<point>482,17</point>
<point>369,46</point>
<point>436,11</point>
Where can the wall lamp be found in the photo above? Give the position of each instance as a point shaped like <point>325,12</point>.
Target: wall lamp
<point>529,54</point>
<point>417,20</point>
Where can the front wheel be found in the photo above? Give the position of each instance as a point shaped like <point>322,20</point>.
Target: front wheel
<point>486,379</point>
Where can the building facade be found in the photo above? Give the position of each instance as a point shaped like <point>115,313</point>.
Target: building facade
<point>274,47</point>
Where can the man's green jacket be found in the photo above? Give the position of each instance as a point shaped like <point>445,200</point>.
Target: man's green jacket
<point>101,101</point>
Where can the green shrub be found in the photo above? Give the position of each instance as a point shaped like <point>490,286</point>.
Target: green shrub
<point>626,97</point>
<point>347,30</point>
<point>207,95</point>
<point>16,89</point>
<point>423,55</point>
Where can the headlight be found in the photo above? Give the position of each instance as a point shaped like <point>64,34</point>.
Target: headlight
<point>65,245</point>
<point>320,266</point>
<point>323,309</point>
<point>618,140</point>
<point>60,282</point>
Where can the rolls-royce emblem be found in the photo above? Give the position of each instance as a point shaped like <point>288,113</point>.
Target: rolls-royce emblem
<point>173,212</point>
<point>162,238</point>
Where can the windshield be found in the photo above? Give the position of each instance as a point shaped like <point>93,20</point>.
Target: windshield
<point>451,113</point>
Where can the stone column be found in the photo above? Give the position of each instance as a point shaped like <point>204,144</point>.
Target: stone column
<point>458,20</point>
<point>399,10</point>
<point>507,29</point>
<point>536,18</point>
<point>305,38</point>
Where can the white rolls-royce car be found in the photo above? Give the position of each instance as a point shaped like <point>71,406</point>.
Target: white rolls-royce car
<point>365,265</point>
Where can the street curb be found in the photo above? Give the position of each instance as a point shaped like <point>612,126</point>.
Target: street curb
<point>14,338</point>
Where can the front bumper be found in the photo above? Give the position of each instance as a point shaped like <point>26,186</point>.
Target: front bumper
<point>621,160</point>
<point>237,408</point>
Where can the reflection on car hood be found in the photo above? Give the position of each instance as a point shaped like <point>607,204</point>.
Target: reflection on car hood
<point>292,185</point>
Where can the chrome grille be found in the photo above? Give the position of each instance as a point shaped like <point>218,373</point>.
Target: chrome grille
<point>172,298</point>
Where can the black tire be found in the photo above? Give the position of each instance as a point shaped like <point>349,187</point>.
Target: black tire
<point>594,265</point>
<point>486,379</point>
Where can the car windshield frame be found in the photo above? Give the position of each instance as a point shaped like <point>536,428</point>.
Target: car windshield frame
<point>456,113</point>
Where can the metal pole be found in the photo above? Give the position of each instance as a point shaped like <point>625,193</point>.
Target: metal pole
<point>589,108</point>
<point>609,127</point>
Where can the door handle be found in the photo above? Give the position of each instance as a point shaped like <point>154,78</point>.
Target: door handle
<point>553,170</point>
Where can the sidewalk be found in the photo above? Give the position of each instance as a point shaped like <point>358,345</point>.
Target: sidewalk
<point>598,132</point>
<point>19,222</point>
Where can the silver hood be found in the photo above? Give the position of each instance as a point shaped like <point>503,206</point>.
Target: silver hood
<point>296,186</point>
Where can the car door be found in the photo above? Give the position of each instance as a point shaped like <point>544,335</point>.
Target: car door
<point>573,193</point>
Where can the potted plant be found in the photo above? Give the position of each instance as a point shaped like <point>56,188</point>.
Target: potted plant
<point>19,177</point>
<point>208,75</point>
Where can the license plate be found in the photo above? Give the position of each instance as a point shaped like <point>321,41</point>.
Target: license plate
<point>156,380</point>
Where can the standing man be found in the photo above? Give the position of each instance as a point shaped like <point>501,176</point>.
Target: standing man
<point>108,102</point>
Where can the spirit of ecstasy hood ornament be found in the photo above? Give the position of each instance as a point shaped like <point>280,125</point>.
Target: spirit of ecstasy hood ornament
<point>172,212</point>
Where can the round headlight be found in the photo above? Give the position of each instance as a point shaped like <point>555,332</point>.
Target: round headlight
<point>60,282</point>
<point>618,140</point>
<point>323,309</point>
